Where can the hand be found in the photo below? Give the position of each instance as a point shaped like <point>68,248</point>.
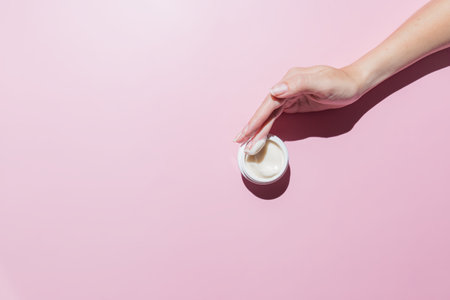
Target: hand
<point>301,90</point>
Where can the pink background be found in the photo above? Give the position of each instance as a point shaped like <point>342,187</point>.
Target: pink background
<point>118,175</point>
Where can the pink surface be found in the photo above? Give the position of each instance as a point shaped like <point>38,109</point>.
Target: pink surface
<point>118,175</point>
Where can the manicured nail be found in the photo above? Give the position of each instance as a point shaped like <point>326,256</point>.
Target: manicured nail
<point>279,89</point>
<point>240,134</point>
<point>254,147</point>
<point>248,146</point>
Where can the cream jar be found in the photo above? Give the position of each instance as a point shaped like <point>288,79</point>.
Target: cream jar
<point>266,166</point>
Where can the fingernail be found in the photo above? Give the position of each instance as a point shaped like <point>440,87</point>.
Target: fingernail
<point>254,147</point>
<point>240,134</point>
<point>279,89</point>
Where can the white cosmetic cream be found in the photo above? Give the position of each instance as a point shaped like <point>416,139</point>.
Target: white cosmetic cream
<point>266,166</point>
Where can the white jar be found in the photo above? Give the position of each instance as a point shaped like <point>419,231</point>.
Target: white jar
<point>268,165</point>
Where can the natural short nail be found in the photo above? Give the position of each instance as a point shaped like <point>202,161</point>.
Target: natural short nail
<point>279,89</point>
<point>237,137</point>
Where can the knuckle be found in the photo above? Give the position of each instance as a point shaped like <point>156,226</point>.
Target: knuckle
<point>293,70</point>
<point>301,81</point>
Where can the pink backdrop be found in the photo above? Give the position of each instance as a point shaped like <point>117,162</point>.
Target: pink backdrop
<point>118,175</point>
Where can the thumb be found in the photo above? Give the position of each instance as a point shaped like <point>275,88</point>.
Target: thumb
<point>294,85</point>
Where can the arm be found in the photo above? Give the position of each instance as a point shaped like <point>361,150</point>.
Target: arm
<point>425,32</point>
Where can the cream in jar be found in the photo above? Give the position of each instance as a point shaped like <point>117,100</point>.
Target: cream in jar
<point>267,165</point>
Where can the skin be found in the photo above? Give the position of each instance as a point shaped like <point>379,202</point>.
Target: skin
<point>324,87</point>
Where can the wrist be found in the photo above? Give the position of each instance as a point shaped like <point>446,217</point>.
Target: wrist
<point>359,76</point>
<point>366,75</point>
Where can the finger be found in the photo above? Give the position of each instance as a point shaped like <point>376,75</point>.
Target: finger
<point>261,115</point>
<point>302,82</point>
<point>259,139</point>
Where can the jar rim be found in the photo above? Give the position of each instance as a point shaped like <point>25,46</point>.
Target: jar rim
<point>242,155</point>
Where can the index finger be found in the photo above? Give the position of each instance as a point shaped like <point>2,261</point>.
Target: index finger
<point>269,104</point>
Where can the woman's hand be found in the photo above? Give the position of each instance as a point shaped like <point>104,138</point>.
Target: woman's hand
<point>322,87</point>
<point>301,90</point>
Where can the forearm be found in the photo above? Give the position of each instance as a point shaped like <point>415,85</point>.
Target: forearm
<point>425,32</point>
